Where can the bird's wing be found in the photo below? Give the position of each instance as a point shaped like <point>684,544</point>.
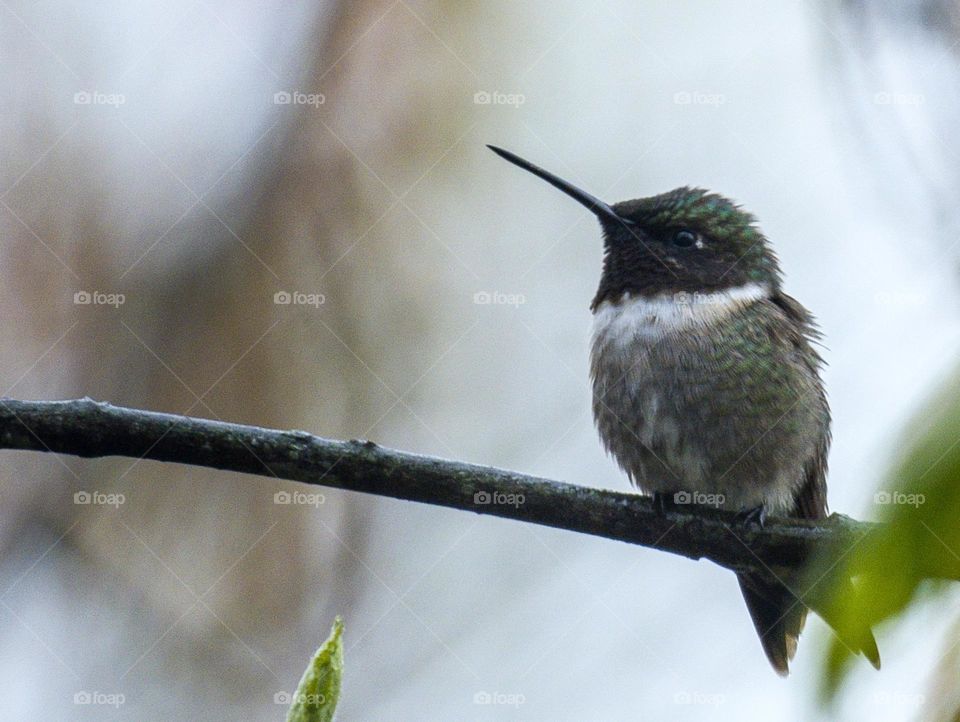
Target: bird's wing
<point>812,498</point>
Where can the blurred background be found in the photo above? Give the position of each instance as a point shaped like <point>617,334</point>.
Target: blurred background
<point>283,214</point>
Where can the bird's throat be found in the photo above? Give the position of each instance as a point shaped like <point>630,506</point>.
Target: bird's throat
<point>663,314</point>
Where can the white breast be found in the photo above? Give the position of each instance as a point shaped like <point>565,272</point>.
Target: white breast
<point>620,322</point>
<point>633,403</point>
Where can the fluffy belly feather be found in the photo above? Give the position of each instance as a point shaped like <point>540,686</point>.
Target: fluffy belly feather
<point>691,398</point>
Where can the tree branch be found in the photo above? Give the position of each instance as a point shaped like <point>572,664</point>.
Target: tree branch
<point>89,428</point>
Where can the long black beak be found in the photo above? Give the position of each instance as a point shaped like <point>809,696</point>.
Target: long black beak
<point>601,209</point>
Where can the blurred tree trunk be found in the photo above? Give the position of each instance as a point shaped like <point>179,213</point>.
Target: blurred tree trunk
<point>199,333</point>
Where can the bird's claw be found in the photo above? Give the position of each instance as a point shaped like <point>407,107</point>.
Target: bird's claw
<point>756,515</point>
<point>662,502</point>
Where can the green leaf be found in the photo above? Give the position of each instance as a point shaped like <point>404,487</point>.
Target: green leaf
<point>316,697</point>
<point>919,546</point>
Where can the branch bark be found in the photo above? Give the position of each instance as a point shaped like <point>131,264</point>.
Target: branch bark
<point>88,428</point>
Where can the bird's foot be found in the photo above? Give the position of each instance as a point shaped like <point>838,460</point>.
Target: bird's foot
<point>663,502</point>
<point>757,515</point>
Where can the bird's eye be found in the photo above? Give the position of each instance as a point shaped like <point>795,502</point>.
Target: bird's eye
<point>684,238</point>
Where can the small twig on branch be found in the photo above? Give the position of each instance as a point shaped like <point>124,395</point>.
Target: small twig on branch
<point>89,428</point>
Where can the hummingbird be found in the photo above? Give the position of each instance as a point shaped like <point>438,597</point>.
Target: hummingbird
<point>705,378</point>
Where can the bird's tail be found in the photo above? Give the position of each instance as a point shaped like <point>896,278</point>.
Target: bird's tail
<point>778,616</point>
